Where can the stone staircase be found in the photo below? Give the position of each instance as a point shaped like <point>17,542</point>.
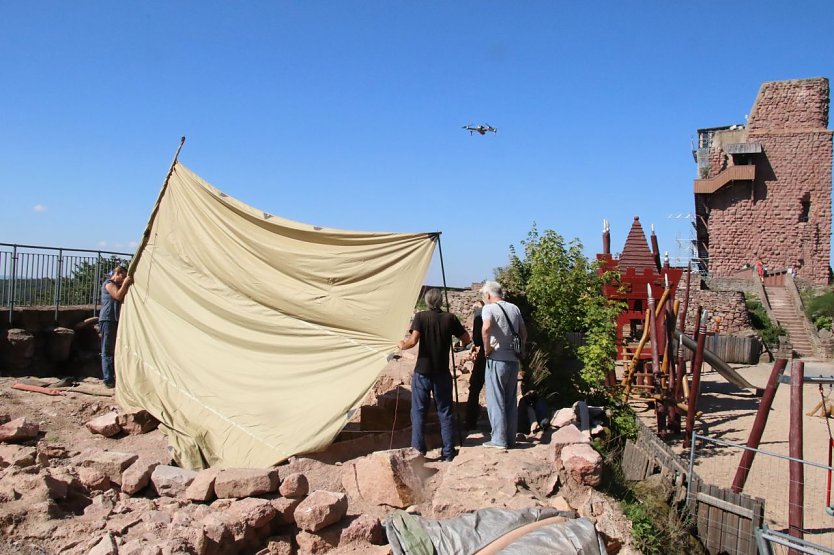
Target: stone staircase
<point>791,319</point>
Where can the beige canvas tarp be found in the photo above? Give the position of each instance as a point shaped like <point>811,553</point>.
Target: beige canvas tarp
<point>253,338</point>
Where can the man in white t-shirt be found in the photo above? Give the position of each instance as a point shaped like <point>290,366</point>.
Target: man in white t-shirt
<point>500,319</point>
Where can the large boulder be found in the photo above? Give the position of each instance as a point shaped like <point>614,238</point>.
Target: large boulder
<point>18,430</point>
<point>320,509</point>
<point>202,488</point>
<point>171,481</point>
<point>106,425</point>
<point>245,482</point>
<point>583,464</point>
<point>294,485</point>
<point>17,455</point>
<point>110,463</point>
<point>567,435</point>
<point>138,476</point>
<point>19,349</point>
<point>140,422</point>
<point>385,477</point>
<point>364,528</point>
<point>59,344</point>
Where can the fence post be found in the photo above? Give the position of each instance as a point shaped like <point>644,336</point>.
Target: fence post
<point>796,487</point>
<point>97,283</point>
<point>58,282</point>
<point>755,437</point>
<point>14,283</point>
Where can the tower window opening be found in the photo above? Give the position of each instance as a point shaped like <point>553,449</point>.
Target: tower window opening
<point>806,208</point>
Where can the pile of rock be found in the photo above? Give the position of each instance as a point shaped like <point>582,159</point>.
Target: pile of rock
<point>107,502</point>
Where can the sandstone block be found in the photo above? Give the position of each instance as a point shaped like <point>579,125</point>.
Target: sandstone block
<point>138,476</point>
<point>294,485</point>
<point>171,481</point>
<point>215,528</point>
<point>285,507</point>
<point>583,464</point>
<point>563,417</point>
<point>59,344</point>
<point>278,545</point>
<point>568,435</point>
<point>384,477</point>
<point>105,546</point>
<point>202,488</point>
<point>17,455</point>
<point>365,528</point>
<point>21,349</point>
<point>245,482</point>
<point>140,422</point>
<point>18,430</point>
<point>320,509</point>
<point>312,543</point>
<point>106,425</point>
<point>253,511</point>
<point>93,478</point>
<point>111,463</point>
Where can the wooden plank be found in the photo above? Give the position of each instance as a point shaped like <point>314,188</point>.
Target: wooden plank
<point>714,528</point>
<point>715,501</point>
<point>746,539</point>
<point>729,532</point>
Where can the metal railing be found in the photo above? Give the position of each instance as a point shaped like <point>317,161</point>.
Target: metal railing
<point>35,276</point>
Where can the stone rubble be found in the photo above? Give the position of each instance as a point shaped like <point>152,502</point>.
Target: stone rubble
<point>117,502</point>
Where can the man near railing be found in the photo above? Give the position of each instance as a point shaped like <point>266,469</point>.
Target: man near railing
<point>113,292</point>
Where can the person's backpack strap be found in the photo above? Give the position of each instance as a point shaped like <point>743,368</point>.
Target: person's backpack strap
<point>510,322</point>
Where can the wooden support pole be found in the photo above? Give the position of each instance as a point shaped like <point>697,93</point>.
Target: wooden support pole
<point>796,486</point>
<point>697,362</point>
<point>758,426</point>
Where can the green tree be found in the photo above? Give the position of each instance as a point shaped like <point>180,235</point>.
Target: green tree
<point>86,277</point>
<point>560,293</point>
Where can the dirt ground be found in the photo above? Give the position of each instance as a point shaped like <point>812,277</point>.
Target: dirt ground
<point>728,415</point>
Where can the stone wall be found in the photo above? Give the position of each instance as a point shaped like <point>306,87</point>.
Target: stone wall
<point>763,218</point>
<point>728,305</point>
<point>34,344</point>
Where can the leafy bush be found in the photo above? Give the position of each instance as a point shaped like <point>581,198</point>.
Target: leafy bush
<point>820,310</point>
<point>559,292</point>
<point>764,326</point>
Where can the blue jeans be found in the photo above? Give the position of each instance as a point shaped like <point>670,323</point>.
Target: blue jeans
<point>501,386</point>
<point>108,348</point>
<point>422,386</point>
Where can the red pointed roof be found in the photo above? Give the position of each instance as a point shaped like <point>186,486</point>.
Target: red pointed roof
<point>636,253</point>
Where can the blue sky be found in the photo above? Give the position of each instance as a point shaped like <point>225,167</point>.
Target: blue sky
<point>349,114</point>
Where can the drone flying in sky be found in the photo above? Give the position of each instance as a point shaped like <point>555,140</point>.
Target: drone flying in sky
<point>482,129</point>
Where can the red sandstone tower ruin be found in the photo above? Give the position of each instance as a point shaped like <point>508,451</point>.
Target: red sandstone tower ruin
<point>765,187</point>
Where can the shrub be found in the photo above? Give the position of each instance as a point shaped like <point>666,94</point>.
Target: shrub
<point>764,326</point>
<point>820,310</point>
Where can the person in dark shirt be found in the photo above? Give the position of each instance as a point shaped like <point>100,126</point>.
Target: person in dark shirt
<point>113,292</point>
<point>433,330</point>
<point>476,380</point>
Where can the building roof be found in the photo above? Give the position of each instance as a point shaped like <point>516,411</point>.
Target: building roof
<point>636,253</point>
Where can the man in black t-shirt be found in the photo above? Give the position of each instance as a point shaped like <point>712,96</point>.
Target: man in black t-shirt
<point>476,379</point>
<point>433,330</point>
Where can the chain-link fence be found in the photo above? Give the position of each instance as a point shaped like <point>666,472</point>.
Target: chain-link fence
<point>32,276</point>
<point>769,478</point>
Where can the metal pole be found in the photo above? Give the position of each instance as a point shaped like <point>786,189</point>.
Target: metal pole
<point>758,426</point>
<point>97,283</point>
<point>451,350</point>
<point>14,283</point>
<point>697,361</point>
<point>146,236</point>
<point>796,486</point>
<point>58,282</point>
